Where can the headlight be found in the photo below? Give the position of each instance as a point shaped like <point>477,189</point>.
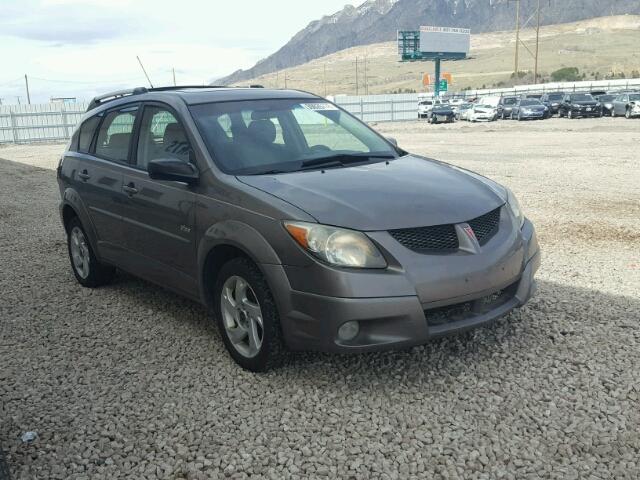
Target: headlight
<point>337,246</point>
<point>514,206</point>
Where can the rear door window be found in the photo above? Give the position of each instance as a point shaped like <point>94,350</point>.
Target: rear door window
<point>115,134</point>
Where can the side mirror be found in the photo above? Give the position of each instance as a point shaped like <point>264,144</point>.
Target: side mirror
<point>173,170</point>
<point>392,141</point>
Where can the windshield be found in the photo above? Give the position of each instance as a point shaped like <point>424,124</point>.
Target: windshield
<point>284,135</point>
<point>581,97</point>
<point>606,98</point>
<point>441,107</point>
<point>554,96</point>
<point>509,100</point>
<point>529,101</point>
<point>634,97</point>
<point>484,106</point>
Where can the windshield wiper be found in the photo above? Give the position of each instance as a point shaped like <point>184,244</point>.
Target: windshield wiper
<point>341,159</point>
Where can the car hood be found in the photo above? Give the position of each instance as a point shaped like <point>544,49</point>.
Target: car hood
<point>408,192</point>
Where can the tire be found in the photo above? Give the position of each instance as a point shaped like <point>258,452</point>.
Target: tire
<point>519,117</point>
<point>627,114</point>
<point>4,468</point>
<point>265,350</point>
<point>570,114</point>
<point>89,272</point>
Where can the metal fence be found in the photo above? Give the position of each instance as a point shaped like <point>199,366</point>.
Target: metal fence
<point>56,121</point>
<point>39,123</point>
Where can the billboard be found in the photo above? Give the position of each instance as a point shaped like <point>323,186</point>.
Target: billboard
<point>445,40</point>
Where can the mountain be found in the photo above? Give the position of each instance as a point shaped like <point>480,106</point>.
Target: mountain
<point>378,21</point>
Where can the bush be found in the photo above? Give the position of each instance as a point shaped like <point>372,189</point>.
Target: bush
<point>566,74</point>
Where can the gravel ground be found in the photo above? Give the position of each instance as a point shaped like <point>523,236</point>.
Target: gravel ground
<point>130,381</point>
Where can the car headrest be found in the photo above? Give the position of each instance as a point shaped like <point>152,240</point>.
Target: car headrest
<point>173,134</point>
<point>263,131</point>
<point>119,140</point>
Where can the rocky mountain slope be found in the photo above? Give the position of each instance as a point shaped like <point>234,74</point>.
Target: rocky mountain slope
<point>378,20</point>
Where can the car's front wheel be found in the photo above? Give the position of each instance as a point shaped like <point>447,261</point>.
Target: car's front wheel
<point>87,269</point>
<point>248,316</point>
<point>627,114</point>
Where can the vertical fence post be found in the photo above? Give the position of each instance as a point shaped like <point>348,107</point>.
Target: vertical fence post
<point>12,124</point>
<point>361,109</point>
<point>392,103</point>
<point>65,122</point>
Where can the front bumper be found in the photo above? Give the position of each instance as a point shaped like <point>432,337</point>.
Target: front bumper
<point>583,112</point>
<point>310,321</point>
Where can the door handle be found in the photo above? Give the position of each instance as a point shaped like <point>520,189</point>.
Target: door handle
<point>84,175</point>
<point>130,189</point>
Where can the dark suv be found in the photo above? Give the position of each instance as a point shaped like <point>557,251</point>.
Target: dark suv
<point>579,105</point>
<point>552,101</point>
<point>295,223</point>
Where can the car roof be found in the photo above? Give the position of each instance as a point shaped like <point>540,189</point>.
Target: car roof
<point>193,95</point>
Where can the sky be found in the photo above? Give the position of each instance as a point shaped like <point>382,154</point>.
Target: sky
<point>81,48</point>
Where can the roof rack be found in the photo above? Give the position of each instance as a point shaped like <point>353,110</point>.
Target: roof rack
<point>108,97</point>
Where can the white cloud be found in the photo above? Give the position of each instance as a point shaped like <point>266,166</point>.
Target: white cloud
<point>91,45</point>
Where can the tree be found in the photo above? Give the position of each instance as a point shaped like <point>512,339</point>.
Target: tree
<point>566,74</point>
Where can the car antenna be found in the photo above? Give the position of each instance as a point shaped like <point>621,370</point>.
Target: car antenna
<point>145,72</point>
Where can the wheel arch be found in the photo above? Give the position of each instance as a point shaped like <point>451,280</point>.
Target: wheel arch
<point>227,240</point>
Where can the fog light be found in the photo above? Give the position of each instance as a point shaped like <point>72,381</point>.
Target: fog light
<point>348,331</point>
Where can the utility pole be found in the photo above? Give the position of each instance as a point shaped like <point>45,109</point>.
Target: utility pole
<point>535,74</point>
<point>26,83</point>
<point>324,79</point>
<point>517,35</point>
<point>173,70</point>
<point>357,91</point>
<point>366,78</point>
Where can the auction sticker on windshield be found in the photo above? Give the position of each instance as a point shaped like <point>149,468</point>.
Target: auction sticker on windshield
<point>319,106</point>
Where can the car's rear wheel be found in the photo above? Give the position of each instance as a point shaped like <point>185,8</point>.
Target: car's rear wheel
<point>86,268</point>
<point>247,316</point>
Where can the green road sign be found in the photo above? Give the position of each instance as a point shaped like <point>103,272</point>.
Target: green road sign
<point>443,85</point>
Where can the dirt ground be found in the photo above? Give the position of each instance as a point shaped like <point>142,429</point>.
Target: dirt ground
<point>130,381</point>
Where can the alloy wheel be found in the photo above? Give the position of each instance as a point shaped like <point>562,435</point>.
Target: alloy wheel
<point>242,316</point>
<point>79,252</point>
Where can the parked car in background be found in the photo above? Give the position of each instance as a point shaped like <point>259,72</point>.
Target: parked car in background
<point>606,101</point>
<point>529,108</point>
<point>483,113</point>
<point>442,113</point>
<point>579,105</point>
<point>425,106</point>
<point>505,105</point>
<point>339,242</point>
<point>462,111</point>
<point>552,101</point>
<point>627,104</point>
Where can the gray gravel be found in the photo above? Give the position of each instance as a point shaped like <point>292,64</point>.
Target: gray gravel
<point>130,381</point>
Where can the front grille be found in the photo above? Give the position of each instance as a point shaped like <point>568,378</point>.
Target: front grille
<point>486,225</point>
<point>443,238</point>
<point>438,237</point>
<point>462,311</point>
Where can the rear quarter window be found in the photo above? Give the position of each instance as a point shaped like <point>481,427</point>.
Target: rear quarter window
<point>86,133</point>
